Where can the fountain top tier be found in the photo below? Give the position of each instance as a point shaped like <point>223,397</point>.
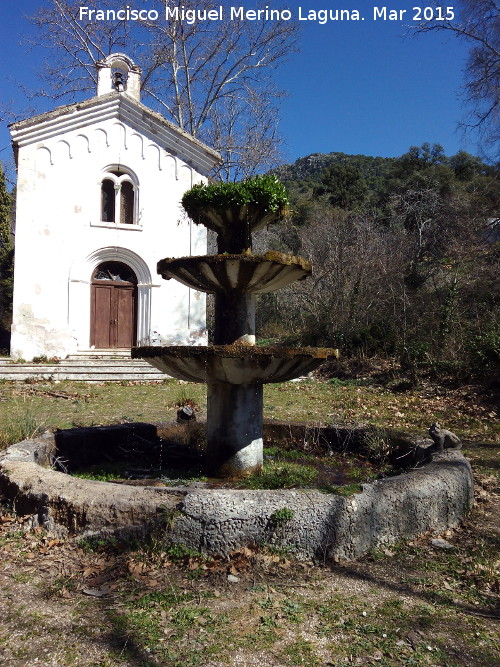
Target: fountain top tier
<point>235,210</point>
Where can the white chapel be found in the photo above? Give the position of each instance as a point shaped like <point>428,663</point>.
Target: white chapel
<point>98,204</point>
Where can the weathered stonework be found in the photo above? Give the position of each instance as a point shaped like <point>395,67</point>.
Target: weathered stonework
<point>434,497</point>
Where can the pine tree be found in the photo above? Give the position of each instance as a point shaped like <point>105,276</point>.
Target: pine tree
<point>6,260</point>
<point>5,205</point>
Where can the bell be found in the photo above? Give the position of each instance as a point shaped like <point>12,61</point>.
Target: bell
<point>118,81</point>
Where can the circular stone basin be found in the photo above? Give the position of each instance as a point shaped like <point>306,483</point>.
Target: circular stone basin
<point>253,274</point>
<point>234,364</point>
<point>434,497</point>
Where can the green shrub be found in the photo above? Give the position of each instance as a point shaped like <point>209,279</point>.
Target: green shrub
<point>264,191</point>
<point>483,350</point>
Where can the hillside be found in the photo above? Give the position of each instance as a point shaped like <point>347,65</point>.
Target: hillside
<point>305,173</point>
<point>403,267</point>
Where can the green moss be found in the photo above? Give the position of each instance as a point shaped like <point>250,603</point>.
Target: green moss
<point>235,350</point>
<point>282,516</point>
<point>285,259</point>
<point>265,192</point>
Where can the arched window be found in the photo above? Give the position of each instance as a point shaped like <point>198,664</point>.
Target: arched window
<point>118,272</point>
<point>118,197</point>
<point>107,201</point>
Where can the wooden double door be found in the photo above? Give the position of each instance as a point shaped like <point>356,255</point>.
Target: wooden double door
<point>113,318</point>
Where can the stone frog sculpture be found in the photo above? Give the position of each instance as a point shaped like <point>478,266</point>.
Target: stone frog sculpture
<point>443,439</point>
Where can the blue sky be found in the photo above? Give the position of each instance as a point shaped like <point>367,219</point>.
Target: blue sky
<point>354,87</point>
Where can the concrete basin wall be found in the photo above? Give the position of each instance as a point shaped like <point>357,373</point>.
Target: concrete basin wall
<point>66,505</point>
<point>434,497</point>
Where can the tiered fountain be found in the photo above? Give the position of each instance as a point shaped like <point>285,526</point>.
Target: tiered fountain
<point>234,368</point>
<point>433,497</point>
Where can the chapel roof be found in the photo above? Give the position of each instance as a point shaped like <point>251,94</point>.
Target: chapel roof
<point>124,108</point>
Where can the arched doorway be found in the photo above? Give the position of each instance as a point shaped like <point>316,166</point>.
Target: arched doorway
<point>113,306</point>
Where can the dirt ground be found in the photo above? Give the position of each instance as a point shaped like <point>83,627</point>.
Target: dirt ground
<point>84,603</point>
<point>96,603</point>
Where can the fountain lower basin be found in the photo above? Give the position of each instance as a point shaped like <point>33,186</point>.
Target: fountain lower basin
<point>234,364</point>
<point>434,497</point>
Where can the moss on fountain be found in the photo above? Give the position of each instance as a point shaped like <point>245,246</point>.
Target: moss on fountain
<point>244,272</point>
<point>283,258</point>
<point>256,202</point>
<point>231,351</point>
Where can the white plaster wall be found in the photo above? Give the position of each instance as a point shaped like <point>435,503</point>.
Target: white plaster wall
<point>59,235</point>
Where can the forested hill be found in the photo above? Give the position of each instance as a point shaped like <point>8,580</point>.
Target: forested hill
<point>307,171</point>
<point>402,264</point>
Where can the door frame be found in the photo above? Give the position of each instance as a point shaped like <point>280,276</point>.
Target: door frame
<point>79,292</point>
<point>115,285</point>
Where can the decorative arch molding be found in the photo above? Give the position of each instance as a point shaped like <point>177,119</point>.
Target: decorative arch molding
<point>84,142</point>
<point>186,175</point>
<point>114,254</point>
<point>136,144</point>
<point>121,133</point>
<point>44,156</point>
<point>102,135</point>
<point>153,150</point>
<point>170,162</point>
<point>115,166</point>
<point>80,280</point>
<point>63,149</point>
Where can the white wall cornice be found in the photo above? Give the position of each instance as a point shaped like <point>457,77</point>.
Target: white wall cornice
<point>122,108</point>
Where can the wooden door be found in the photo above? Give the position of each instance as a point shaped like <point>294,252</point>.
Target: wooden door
<point>113,310</point>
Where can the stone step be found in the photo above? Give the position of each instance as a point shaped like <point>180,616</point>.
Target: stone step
<point>94,363</point>
<point>82,370</point>
<point>101,354</point>
<point>84,377</point>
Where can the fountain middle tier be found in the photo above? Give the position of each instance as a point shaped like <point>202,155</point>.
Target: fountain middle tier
<point>244,273</point>
<point>235,364</point>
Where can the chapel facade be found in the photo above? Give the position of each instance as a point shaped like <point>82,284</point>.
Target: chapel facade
<point>98,204</point>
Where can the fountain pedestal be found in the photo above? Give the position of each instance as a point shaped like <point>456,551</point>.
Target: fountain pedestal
<point>234,428</point>
<point>234,369</point>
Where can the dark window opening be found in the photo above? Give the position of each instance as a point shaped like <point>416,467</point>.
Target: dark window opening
<point>127,203</point>
<point>108,201</point>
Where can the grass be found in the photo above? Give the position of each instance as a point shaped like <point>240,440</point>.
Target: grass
<point>28,409</point>
<point>80,404</point>
<point>104,472</point>
<point>412,606</point>
<point>409,604</point>
<point>21,421</point>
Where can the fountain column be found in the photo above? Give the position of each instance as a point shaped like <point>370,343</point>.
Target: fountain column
<point>234,411</point>
<point>234,428</point>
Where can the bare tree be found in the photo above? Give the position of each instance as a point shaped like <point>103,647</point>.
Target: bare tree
<point>478,22</point>
<point>212,78</point>
<point>356,282</point>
